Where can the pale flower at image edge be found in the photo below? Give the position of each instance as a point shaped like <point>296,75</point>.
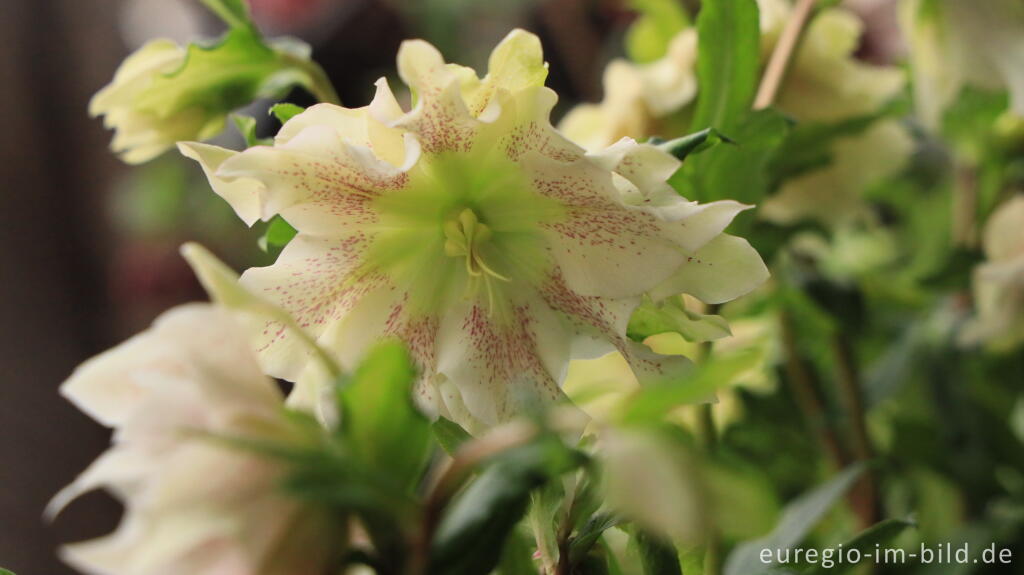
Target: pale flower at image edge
<point>192,505</point>
<point>493,247</point>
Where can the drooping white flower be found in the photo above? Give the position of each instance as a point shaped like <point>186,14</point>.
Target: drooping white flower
<point>469,228</point>
<point>637,97</point>
<point>824,84</point>
<point>999,282</point>
<point>192,504</point>
<point>165,93</point>
<point>955,43</point>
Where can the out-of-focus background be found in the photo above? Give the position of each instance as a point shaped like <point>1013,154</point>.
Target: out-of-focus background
<point>88,246</point>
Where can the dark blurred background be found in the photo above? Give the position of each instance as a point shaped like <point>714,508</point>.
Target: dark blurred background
<point>89,246</point>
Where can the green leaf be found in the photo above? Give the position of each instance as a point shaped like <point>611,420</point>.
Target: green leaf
<point>234,13</point>
<point>728,62</point>
<point>657,556</point>
<point>246,126</point>
<point>809,145</point>
<point>378,419</point>
<point>584,541</point>
<point>652,403</point>
<point>517,556</point>
<point>881,533</point>
<point>473,531</point>
<point>449,434</point>
<point>798,518</point>
<point>657,23</point>
<point>278,234</point>
<point>735,172</point>
<point>694,143</point>
<point>216,79</point>
<point>671,316</point>
<point>5,571</point>
<point>285,111</point>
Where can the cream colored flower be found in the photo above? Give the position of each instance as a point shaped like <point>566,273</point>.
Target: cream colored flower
<point>999,282</point>
<point>825,84</point>
<point>954,43</point>
<point>637,97</point>
<point>832,195</point>
<point>165,93</point>
<point>469,228</point>
<point>192,505</point>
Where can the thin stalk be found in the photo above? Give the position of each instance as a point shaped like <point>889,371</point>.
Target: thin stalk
<point>965,206</point>
<point>708,433</point>
<point>805,390</point>
<point>850,392</point>
<point>775,71</point>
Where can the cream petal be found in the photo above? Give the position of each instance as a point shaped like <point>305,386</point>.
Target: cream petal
<point>315,280</point>
<point>826,83</point>
<point>833,194</point>
<point>315,168</point>
<point>602,247</point>
<point>502,366</point>
<point>359,127</point>
<point>244,195</point>
<point>724,269</point>
<point>135,73</point>
<point>1003,238</point>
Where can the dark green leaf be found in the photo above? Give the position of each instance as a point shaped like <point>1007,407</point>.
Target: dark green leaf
<point>449,434</point>
<point>584,541</point>
<point>657,556</point>
<point>378,419</point>
<point>473,531</point>
<point>881,533</point>
<point>797,520</point>
<point>285,111</point>
<point>694,143</point>
<point>5,571</point>
<point>728,62</point>
<point>658,22</point>
<point>735,172</point>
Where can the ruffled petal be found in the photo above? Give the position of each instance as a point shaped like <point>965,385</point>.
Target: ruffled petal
<point>724,269</point>
<point>502,366</point>
<point>330,181</point>
<point>244,195</point>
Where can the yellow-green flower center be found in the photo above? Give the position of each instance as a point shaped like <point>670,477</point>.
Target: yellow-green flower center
<point>465,235</point>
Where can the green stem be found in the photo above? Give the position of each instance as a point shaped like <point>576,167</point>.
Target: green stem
<point>709,437</point>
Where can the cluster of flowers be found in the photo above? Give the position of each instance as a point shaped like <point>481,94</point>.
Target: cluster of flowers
<point>494,246</point>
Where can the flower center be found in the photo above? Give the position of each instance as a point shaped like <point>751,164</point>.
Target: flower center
<point>465,237</point>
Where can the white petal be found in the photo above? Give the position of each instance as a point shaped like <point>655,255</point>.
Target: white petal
<point>724,269</point>
<point>244,195</point>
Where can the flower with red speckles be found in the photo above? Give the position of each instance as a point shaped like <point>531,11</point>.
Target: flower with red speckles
<point>468,227</point>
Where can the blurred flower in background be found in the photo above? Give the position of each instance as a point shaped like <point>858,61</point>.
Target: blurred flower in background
<point>999,282</point>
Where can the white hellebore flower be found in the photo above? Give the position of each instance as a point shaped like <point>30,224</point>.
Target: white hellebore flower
<point>999,282</point>
<point>192,505</point>
<point>954,43</point>
<point>469,228</point>
<point>825,84</point>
